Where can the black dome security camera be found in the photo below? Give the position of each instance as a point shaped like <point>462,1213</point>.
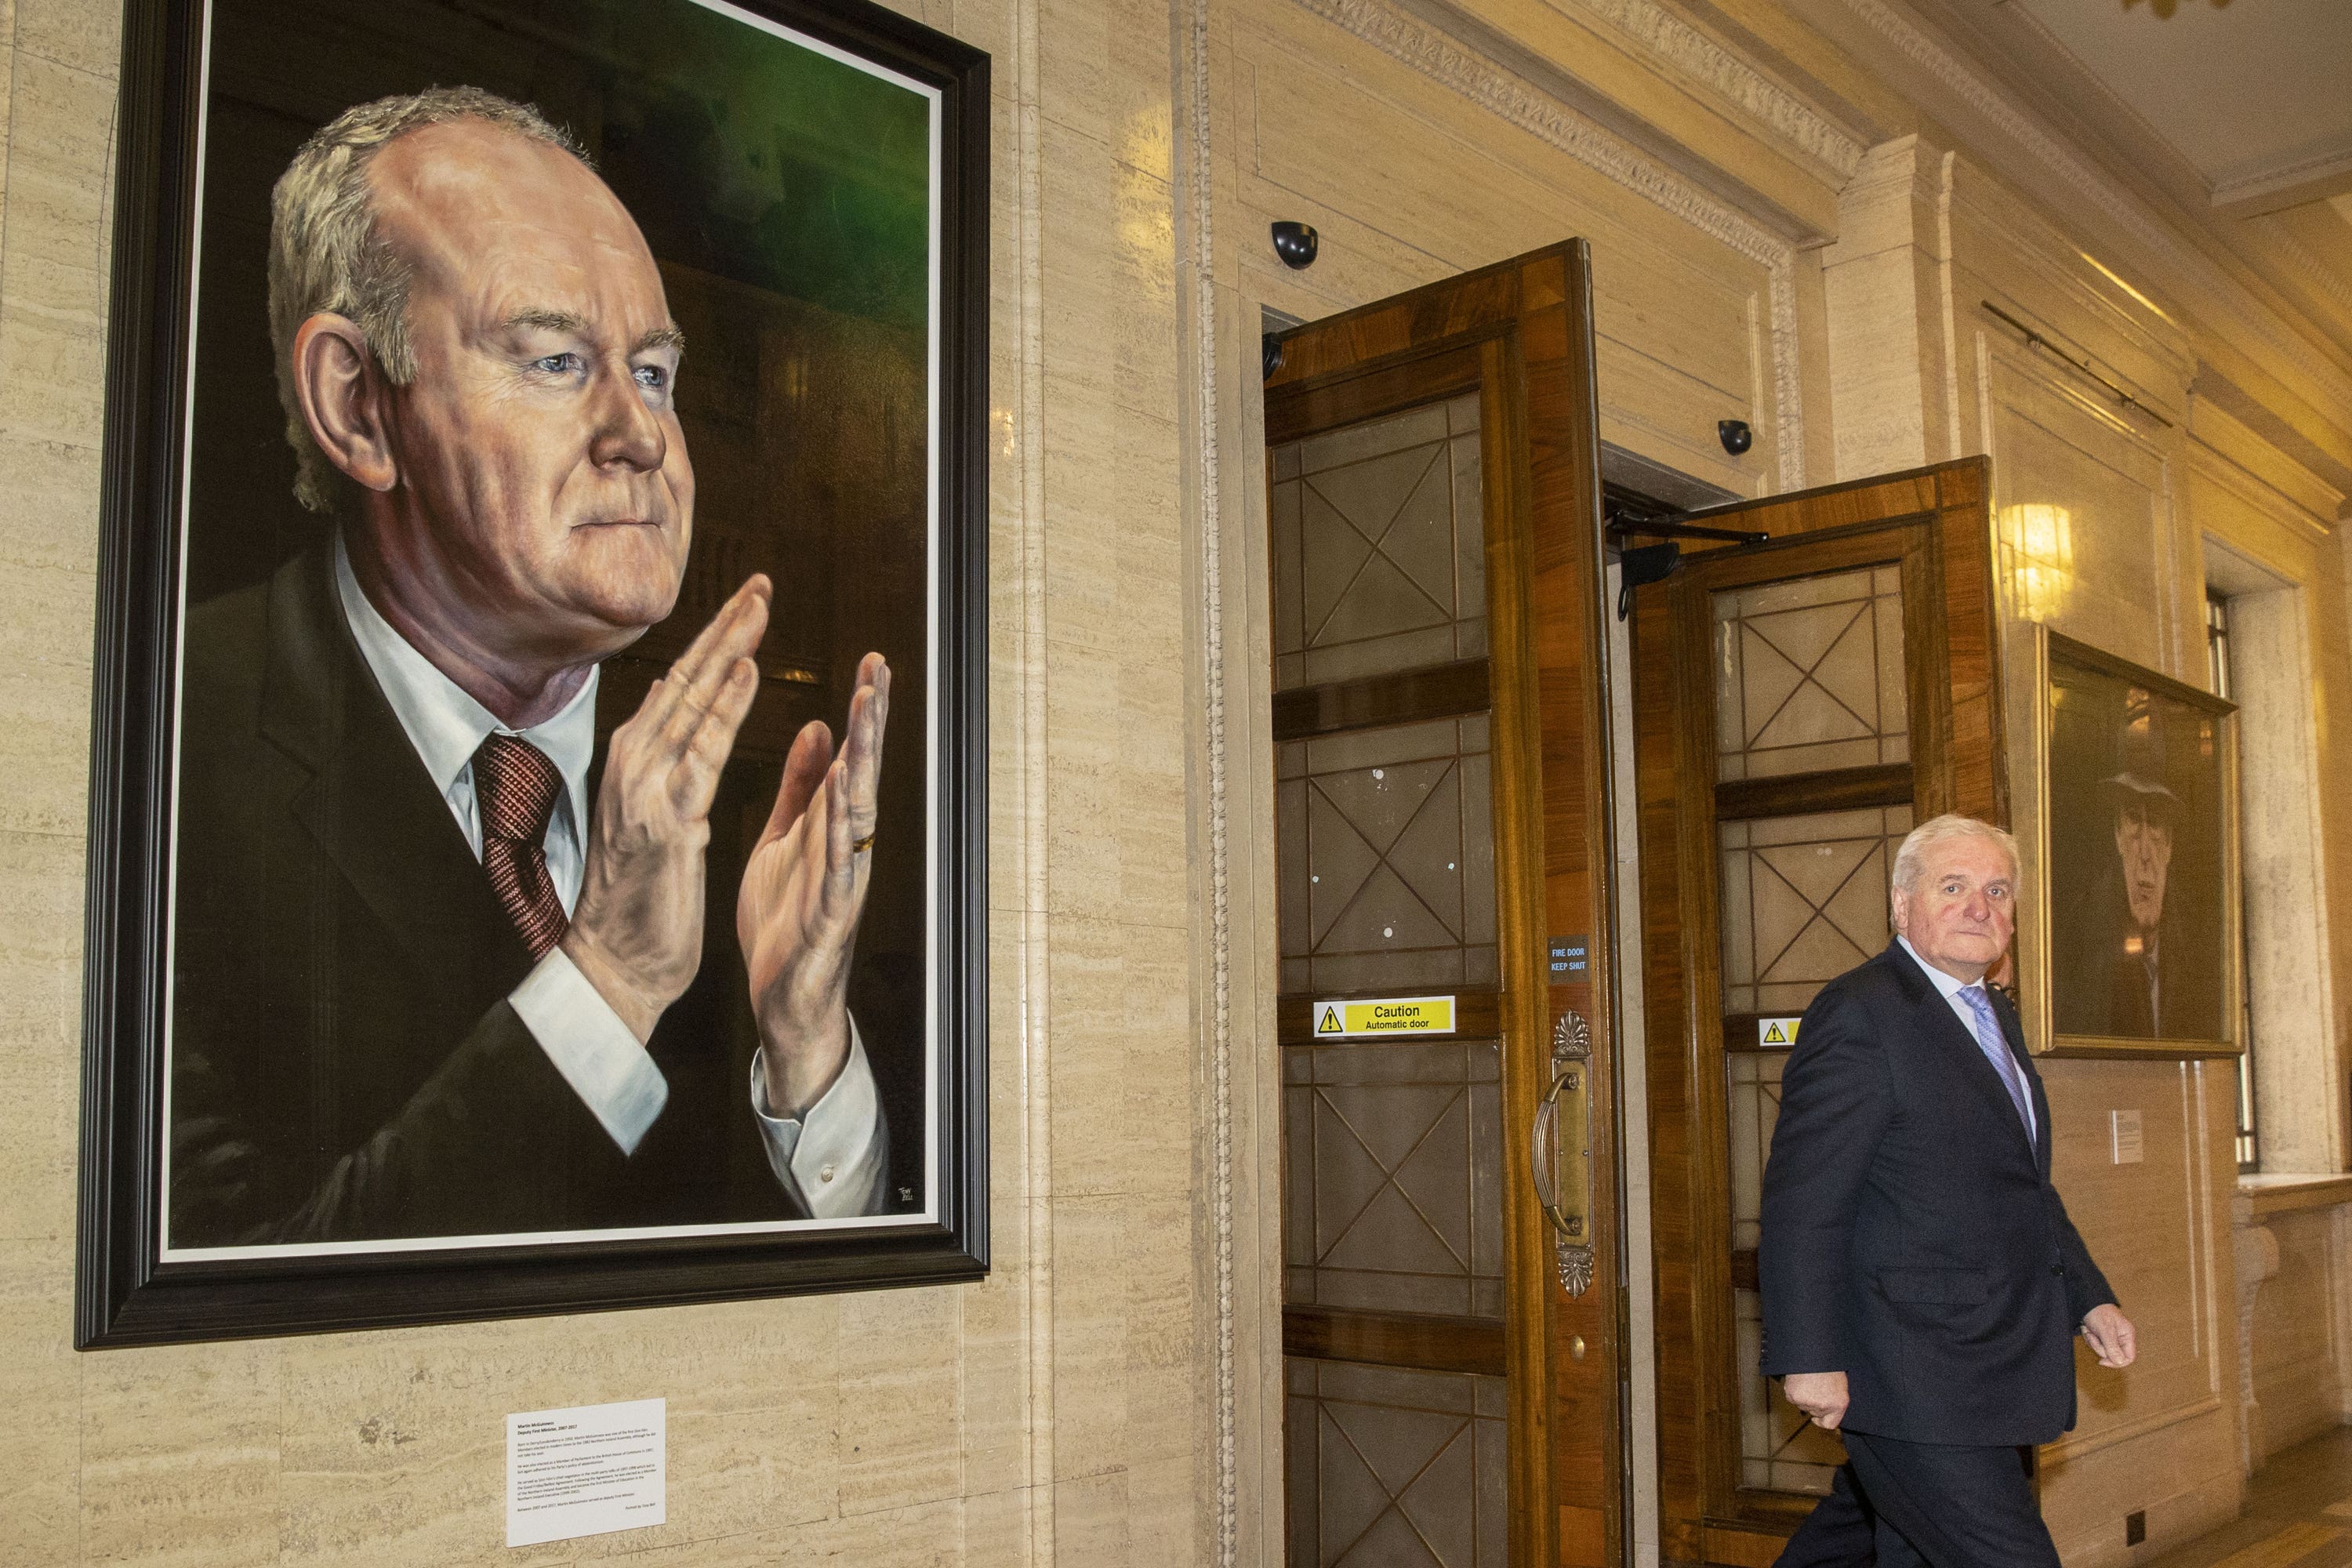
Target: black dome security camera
<point>1294,243</point>
<point>1736,436</point>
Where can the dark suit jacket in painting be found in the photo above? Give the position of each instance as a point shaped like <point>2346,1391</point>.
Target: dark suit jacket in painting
<point>2103,988</point>
<point>1912,1238</point>
<point>344,1062</point>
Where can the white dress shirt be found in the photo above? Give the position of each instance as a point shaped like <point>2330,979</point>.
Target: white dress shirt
<point>832,1156</point>
<point>1949,987</point>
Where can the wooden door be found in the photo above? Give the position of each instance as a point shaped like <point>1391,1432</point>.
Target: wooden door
<point>1799,706</point>
<point>1439,717</point>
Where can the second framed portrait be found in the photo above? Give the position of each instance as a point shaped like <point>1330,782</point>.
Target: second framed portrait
<point>2137,930</point>
<point>537,822</point>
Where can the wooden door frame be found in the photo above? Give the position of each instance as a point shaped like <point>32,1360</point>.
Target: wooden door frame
<point>1958,764</point>
<point>1520,332</point>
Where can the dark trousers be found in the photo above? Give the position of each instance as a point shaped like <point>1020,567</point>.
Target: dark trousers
<point>1841,1532</point>
<point>1925,1505</point>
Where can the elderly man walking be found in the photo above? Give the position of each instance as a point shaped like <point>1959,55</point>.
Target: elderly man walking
<point>1922,1283</point>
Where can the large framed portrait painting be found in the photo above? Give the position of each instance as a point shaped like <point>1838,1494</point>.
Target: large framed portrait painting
<point>2139,850</point>
<point>536,857</point>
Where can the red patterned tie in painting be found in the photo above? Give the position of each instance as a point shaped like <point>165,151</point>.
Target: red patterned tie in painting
<point>516,786</point>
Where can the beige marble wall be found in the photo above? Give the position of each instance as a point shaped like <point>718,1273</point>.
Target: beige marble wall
<point>1415,159</point>
<point>2295,1316</point>
<point>2108,556</point>
<point>1889,340</point>
<point>1755,258</point>
<point>54,175</point>
<point>1057,1412</point>
<point>2160,1437</point>
<point>2264,546</point>
<point>2271,556</point>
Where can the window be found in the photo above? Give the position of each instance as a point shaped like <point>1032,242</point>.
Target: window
<point>2217,644</point>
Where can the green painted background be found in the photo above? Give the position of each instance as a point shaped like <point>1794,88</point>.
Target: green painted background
<point>759,160</point>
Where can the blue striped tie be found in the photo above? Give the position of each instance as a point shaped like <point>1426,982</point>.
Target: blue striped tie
<point>1995,1045</point>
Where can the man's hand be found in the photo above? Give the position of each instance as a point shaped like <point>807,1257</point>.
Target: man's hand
<point>2111,1334</point>
<point>636,932</point>
<point>1820,1395</point>
<point>802,892</point>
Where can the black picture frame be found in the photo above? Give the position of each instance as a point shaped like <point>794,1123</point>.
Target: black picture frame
<point>124,1295</point>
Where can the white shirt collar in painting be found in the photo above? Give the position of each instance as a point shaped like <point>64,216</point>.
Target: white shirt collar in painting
<point>447,726</point>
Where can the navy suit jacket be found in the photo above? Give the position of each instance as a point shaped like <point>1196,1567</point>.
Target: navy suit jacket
<point>1912,1238</point>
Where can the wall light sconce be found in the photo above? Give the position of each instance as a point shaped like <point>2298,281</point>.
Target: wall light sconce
<point>2041,541</point>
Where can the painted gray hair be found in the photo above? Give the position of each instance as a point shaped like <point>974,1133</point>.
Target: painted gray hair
<point>326,255</point>
<point>1910,860</point>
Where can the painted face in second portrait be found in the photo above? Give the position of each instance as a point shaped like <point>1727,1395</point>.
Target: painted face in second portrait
<point>543,488</point>
<point>2143,841</point>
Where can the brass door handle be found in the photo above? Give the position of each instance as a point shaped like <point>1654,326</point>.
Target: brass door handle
<point>1563,1153</point>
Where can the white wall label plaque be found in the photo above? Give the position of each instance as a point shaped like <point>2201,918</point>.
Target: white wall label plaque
<point>2124,1135</point>
<point>586,1471</point>
<point>1384,1015</point>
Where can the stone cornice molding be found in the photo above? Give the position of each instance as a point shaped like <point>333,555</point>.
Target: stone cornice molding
<point>2255,184</point>
<point>2223,296</point>
<point>2310,268</point>
<point>1892,165</point>
<point>2142,144</point>
<point>1675,41</point>
<point>2146,144</point>
<point>1925,51</point>
<point>2218,467</point>
<point>1439,57</point>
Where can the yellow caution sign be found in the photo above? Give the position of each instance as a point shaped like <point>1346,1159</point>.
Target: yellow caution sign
<point>1776,1031</point>
<point>1384,1015</point>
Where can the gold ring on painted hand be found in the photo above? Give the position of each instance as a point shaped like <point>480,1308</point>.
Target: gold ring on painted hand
<point>862,845</point>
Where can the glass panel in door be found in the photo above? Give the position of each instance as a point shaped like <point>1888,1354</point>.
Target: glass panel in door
<point>1392,1164</point>
<point>1808,679</point>
<point>1810,675</point>
<point>1401,1465</point>
<point>1379,556</point>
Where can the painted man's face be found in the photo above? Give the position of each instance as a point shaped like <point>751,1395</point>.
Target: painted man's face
<point>2145,843</point>
<point>543,475</point>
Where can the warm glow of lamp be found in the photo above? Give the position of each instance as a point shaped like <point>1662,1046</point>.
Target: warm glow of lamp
<point>2041,539</point>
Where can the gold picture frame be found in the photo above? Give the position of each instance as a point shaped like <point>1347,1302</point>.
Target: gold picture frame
<point>2129,931</point>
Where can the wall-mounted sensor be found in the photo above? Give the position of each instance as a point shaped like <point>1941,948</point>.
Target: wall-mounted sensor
<point>1294,243</point>
<point>1736,436</point>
